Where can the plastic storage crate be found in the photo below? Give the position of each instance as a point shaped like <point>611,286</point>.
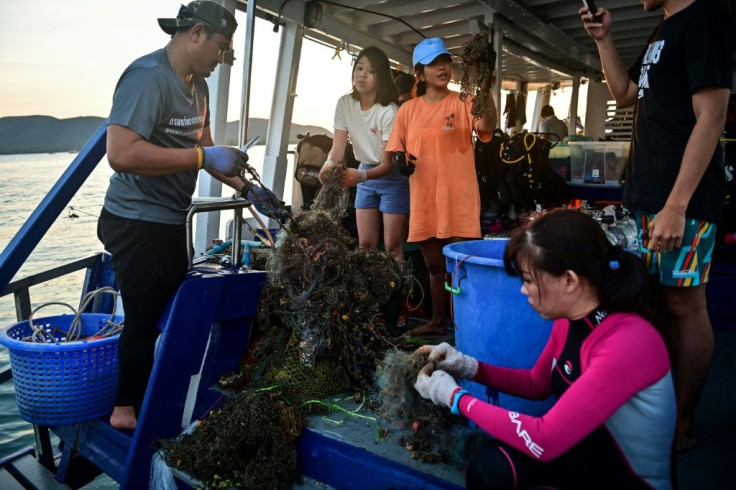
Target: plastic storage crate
<point>61,383</point>
<point>598,162</point>
<point>559,160</point>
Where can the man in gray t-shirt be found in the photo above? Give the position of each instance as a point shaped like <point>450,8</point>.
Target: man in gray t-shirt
<point>550,124</point>
<point>158,138</point>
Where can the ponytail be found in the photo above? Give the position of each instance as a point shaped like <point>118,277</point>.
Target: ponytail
<point>624,286</point>
<point>420,87</point>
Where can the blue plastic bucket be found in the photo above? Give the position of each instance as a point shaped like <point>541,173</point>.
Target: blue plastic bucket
<point>62,383</point>
<point>493,320</point>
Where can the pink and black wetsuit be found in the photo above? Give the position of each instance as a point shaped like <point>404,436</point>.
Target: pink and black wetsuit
<point>613,423</point>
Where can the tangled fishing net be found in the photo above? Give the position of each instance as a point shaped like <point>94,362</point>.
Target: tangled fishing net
<point>395,378</point>
<point>321,331</point>
<point>479,60</point>
<point>333,198</point>
<point>429,432</point>
<point>248,443</point>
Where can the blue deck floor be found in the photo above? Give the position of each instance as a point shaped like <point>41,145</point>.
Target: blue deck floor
<point>709,466</point>
<point>712,464</point>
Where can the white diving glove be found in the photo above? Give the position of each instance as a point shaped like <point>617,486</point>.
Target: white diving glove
<point>453,361</point>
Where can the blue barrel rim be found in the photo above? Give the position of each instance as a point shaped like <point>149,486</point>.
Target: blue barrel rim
<point>70,345</point>
<point>448,251</point>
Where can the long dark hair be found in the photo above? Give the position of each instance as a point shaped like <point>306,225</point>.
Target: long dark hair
<point>385,88</point>
<point>564,240</point>
<point>420,87</point>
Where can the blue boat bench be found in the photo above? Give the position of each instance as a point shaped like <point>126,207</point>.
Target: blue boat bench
<point>205,332</point>
<point>343,451</point>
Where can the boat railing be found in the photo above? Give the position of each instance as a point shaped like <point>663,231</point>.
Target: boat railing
<point>98,274</point>
<point>200,205</point>
<point>35,227</point>
<point>21,289</point>
<point>98,267</point>
<point>29,236</point>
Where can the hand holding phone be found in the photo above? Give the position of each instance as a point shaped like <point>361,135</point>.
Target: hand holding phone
<point>592,9</point>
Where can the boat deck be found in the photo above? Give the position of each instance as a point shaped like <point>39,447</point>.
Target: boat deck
<point>343,451</point>
<point>345,448</point>
<point>23,471</point>
<point>712,463</point>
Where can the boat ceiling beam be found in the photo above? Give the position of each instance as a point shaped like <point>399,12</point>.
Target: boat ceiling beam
<point>336,32</point>
<point>523,53</point>
<point>429,19</point>
<point>620,18</point>
<point>407,11</point>
<point>362,39</point>
<point>338,9</point>
<point>517,14</point>
<point>549,28</point>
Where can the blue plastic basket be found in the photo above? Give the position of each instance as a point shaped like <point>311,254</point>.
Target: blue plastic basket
<point>63,383</point>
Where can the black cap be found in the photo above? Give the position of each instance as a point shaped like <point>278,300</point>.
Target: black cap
<point>211,14</point>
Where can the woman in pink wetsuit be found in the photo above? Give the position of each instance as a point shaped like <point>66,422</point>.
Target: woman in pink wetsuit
<point>613,422</point>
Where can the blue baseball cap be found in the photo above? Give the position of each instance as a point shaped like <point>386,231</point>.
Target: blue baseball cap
<point>428,50</point>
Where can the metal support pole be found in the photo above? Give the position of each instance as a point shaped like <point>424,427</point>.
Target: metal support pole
<point>498,45</point>
<point>250,28</point>
<point>573,126</point>
<point>208,226</point>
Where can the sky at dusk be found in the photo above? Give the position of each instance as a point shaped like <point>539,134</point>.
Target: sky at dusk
<point>62,58</point>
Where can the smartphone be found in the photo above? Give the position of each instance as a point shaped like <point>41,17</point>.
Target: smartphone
<point>592,9</point>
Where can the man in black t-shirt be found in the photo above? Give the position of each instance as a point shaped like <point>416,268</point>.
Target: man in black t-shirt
<point>675,182</point>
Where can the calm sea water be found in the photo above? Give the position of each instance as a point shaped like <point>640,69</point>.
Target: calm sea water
<point>24,180</point>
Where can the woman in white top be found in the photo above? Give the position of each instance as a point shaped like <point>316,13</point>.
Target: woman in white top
<point>366,115</point>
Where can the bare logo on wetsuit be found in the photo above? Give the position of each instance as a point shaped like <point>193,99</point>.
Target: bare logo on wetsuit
<point>531,445</point>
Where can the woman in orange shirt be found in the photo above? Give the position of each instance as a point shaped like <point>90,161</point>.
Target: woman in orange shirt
<point>437,128</point>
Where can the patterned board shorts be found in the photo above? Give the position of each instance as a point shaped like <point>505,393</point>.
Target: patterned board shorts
<point>686,266</point>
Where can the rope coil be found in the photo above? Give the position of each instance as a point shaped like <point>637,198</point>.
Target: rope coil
<point>42,335</point>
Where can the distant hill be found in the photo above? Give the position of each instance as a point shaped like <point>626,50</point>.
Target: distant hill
<point>45,134</point>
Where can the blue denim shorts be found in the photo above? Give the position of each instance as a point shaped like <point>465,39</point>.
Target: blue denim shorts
<point>390,194</point>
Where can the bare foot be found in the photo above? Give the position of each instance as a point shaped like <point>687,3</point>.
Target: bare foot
<point>685,442</point>
<point>431,328</point>
<point>123,418</point>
